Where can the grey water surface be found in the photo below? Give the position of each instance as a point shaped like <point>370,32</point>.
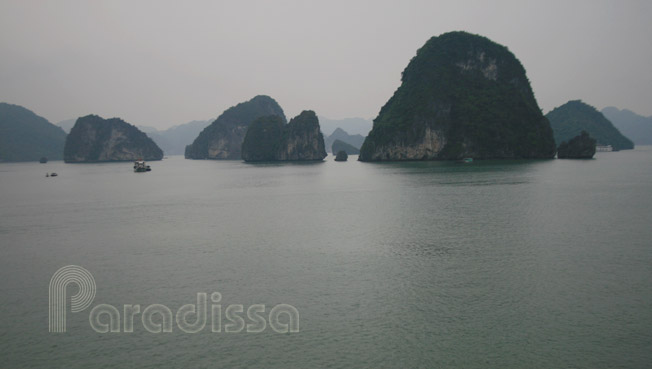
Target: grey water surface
<point>496,264</point>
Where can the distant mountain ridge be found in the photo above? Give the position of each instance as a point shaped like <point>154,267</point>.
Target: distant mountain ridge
<point>339,145</point>
<point>25,136</point>
<point>636,127</point>
<point>353,126</point>
<point>173,141</point>
<point>340,134</point>
<point>67,124</point>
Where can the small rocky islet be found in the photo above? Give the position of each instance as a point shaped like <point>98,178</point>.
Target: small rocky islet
<point>581,146</point>
<point>341,156</point>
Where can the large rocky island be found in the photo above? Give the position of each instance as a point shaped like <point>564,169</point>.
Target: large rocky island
<point>570,119</point>
<point>94,139</point>
<point>270,139</point>
<point>461,96</point>
<point>25,136</point>
<point>223,138</point>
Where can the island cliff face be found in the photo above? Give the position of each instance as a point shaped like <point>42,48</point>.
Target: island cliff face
<point>461,96</point>
<point>223,138</point>
<point>94,139</point>
<point>270,139</point>
<point>302,139</point>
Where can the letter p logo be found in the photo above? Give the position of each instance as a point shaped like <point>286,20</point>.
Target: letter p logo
<point>58,299</point>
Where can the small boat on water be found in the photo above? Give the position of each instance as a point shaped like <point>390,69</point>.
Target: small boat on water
<point>140,167</point>
<point>53,174</point>
<point>466,160</point>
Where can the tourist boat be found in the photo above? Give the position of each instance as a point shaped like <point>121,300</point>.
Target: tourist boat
<point>140,166</point>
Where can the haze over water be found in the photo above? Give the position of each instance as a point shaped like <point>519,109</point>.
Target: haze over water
<point>497,264</point>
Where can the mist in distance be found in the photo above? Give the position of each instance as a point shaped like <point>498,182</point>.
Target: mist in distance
<point>163,63</point>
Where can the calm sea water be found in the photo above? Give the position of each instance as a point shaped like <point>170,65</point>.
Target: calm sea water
<point>499,264</point>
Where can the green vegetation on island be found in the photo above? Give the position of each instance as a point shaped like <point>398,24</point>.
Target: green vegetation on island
<point>25,136</point>
<point>579,147</point>
<point>570,119</point>
<point>270,139</point>
<point>263,139</point>
<point>461,96</point>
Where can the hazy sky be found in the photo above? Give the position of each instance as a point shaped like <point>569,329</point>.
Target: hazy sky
<point>161,63</point>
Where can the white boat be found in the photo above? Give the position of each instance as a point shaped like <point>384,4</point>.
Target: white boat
<point>140,166</point>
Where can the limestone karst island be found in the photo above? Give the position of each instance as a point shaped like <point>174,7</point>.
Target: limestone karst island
<point>324,184</point>
<point>461,96</point>
<point>223,138</point>
<point>94,139</point>
<point>270,139</point>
